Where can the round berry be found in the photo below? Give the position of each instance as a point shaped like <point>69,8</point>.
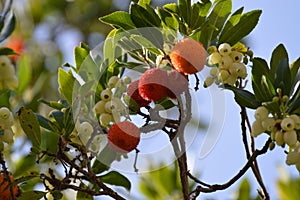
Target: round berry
<point>5,191</point>
<point>240,69</point>
<point>279,138</point>
<point>106,95</point>
<point>296,119</point>
<point>290,138</point>
<point>261,113</point>
<point>223,75</point>
<point>188,56</point>
<point>226,62</point>
<point>224,49</point>
<point>99,107</point>
<point>123,137</point>
<point>287,124</point>
<point>113,105</point>
<point>112,82</point>
<point>152,84</point>
<point>127,80</point>
<point>6,117</point>
<point>105,119</point>
<point>8,136</point>
<point>133,92</point>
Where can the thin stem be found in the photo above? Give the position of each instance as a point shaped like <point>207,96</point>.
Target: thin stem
<point>207,188</point>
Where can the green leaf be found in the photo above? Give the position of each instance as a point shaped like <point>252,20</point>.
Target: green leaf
<point>104,159</point>
<point>30,125</point>
<point>168,18</point>
<point>199,13</point>
<point>283,77</point>
<point>82,195</point>
<point>119,19</point>
<point>50,141</point>
<point>66,83</point>
<point>166,103</point>
<point>294,70</point>
<point>53,104</point>
<point>244,97</point>
<point>244,191</point>
<point>233,20</point>
<point>144,42</point>
<point>245,25</point>
<point>185,10</point>
<point>8,28</point>
<point>115,178</point>
<point>7,51</point>
<point>45,123</point>
<point>278,54</point>
<point>80,55</point>
<point>288,190</point>
<point>24,73</point>
<point>144,17</point>
<point>24,164</point>
<point>144,2</point>
<point>29,195</point>
<point>171,7</point>
<point>215,21</point>
<point>259,69</point>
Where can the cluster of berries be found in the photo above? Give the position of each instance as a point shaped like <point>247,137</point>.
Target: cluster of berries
<point>110,107</point>
<point>227,65</point>
<point>282,131</point>
<point>8,79</point>
<point>7,191</point>
<point>6,122</point>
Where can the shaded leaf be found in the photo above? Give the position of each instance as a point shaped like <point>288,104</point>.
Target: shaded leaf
<point>233,20</point>
<point>66,83</point>
<point>283,76</point>
<point>115,178</point>
<point>30,195</point>
<point>278,54</point>
<point>8,27</point>
<point>24,73</point>
<point>7,51</point>
<point>294,71</point>
<point>30,125</point>
<point>120,19</point>
<point>199,13</point>
<point>245,25</point>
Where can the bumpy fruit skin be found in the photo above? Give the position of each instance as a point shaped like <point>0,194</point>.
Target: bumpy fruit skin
<point>5,193</point>
<point>133,92</point>
<point>177,83</point>
<point>153,84</point>
<point>188,56</point>
<point>123,137</point>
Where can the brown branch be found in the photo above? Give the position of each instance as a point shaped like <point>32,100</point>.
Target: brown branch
<point>244,119</point>
<point>207,188</point>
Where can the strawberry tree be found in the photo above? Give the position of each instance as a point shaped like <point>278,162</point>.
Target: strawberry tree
<point>140,80</point>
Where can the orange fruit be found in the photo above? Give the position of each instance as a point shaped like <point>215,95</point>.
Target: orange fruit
<point>123,137</point>
<point>5,191</point>
<point>188,56</point>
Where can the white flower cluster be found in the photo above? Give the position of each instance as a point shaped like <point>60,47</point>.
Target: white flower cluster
<point>6,122</point>
<point>282,131</point>
<point>226,64</point>
<point>8,79</point>
<point>110,107</point>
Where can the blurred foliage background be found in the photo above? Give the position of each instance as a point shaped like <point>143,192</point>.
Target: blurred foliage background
<point>46,33</point>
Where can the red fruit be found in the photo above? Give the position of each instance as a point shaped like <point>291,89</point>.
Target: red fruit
<point>16,43</point>
<point>177,83</point>
<point>153,84</point>
<point>5,192</point>
<point>133,92</point>
<point>123,137</point>
<point>188,56</point>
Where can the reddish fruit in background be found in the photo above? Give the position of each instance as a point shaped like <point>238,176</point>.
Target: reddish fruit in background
<point>16,43</point>
<point>133,92</point>
<point>123,137</point>
<point>188,56</point>
<point>5,192</point>
<point>153,84</point>
<point>177,83</point>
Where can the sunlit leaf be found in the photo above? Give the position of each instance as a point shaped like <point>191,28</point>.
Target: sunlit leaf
<point>119,19</point>
<point>117,179</point>
<point>66,83</point>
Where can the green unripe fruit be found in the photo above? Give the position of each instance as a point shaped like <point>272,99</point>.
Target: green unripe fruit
<point>99,107</point>
<point>226,62</point>
<point>214,72</point>
<point>292,158</point>
<point>290,138</point>
<point>85,128</point>
<point>106,95</point>
<point>268,124</point>
<point>279,138</point>
<point>214,58</point>
<point>287,124</point>
<point>296,119</point>
<point>208,81</point>
<point>112,82</point>
<point>105,119</point>
<point>257,128</point>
